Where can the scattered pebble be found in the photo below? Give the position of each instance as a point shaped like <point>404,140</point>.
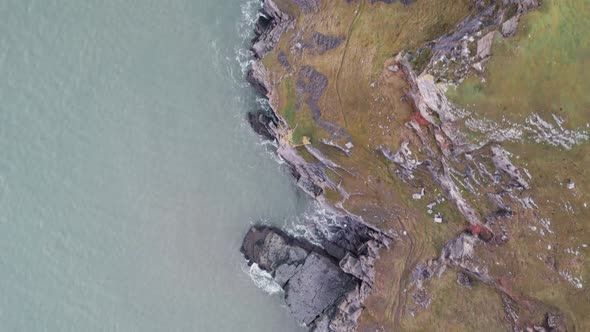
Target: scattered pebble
<point>418,195</point>
<point>394,69</point>
<point>438,218</point>
<point>571,185</point>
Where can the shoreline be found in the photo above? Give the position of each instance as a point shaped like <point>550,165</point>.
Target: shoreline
<point>351,240</point>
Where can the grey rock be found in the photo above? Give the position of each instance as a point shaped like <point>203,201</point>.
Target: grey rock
<point>270,248</point>
<point>459,249</point>
<point>315,287</point>
<point>258,78</point>
<point>555,322</point>
<point>318,292</point>
<point>362,268</point>
<point>272,23</point>
<point>484,45</point>
<point>283,60</point>
<point>464,280</point>
<point>501,160</point>
<point>509,27</point>
<point>261,122</point>
<point>285,272</point>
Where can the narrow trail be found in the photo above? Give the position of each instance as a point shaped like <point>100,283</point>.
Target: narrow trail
<point>397,305</point>
<point>358,10</point>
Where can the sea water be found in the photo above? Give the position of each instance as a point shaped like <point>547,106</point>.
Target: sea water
<point>128,174</point>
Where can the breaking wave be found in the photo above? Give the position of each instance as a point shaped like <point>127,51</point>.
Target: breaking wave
<point>262,279</point>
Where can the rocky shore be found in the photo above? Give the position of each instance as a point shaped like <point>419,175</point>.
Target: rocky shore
<point>324,286</point>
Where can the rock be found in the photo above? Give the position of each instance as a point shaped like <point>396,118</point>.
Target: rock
<point>324,43</point>
<point>270,248</point>
<point>258,77</point>
<point>464,280</point>
<point>273,22</point>
<point>509,27</point>
<point>285,272</point>
<point>319,292</point>
<point>484,45</point>
<point>526,5</point>
<point>311,85</point>
<point>459,249</point>
<point>393,69</point>
<point>501,160</point>
<point>362,268</point>
<point>511,309</point>
<point>555,322</point>
<point>478,66</point>
<point>418,196</point>
<point>438,218</point>
<point>317,285</point>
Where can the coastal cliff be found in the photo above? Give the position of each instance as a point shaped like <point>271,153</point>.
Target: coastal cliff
<point>361,116</point>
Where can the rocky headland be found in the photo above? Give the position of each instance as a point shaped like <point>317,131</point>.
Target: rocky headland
<point>359,111</point>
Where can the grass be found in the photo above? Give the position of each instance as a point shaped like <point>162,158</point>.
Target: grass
<point>544,70</point>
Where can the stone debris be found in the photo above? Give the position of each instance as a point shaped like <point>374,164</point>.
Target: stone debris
<point>571,185</point>
<point>438,218</point>
<point>464,280</point>
<point>501,159</point>
<point>419,195</point>
<point>555,135</point>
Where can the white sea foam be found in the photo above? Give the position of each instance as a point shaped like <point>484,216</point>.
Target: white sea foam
<point>245,27</point>
<point>315,224</point>
<point>263,280</point>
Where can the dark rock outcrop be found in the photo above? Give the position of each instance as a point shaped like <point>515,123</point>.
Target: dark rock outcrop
<point>324,43</point>
<point>260,123</point>
<point>272,23</point>
<point>322,291</point>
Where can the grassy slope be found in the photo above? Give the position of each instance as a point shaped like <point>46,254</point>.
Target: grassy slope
<point>545,69</point>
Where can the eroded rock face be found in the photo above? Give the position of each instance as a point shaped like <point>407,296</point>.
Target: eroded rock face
<point>272,23</point>
<point>322,291</point>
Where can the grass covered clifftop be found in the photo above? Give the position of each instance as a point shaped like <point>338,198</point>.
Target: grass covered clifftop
<point>512,150</point>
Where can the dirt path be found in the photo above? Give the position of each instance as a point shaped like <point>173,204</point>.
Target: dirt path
<point>358,10</point>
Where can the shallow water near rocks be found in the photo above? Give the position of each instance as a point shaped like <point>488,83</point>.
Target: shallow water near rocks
<point>128,173</point>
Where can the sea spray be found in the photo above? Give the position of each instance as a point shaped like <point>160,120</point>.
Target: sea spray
<point>262,279</point>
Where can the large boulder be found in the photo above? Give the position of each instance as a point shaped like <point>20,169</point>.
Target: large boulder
<point>323,288</point>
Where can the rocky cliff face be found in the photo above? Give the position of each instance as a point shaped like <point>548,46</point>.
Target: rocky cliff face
<point>354,124</point>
